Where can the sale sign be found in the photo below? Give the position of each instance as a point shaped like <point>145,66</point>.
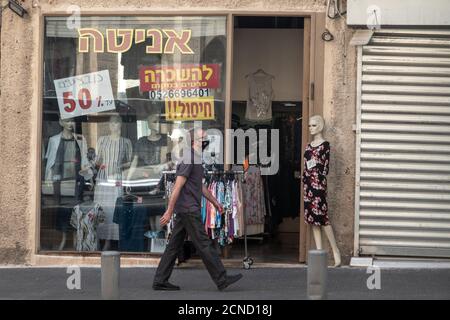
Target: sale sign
<point>185,76</point>
<point>84,94</point>
<point>190,109</point>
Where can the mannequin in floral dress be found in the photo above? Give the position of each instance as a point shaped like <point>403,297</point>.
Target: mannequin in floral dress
<point>316,166</point>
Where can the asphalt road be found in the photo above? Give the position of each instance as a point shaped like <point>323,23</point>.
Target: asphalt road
<point>258,283</point>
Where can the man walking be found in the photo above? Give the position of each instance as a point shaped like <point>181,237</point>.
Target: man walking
<point>186,203</point>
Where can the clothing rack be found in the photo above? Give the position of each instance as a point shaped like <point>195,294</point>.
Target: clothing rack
<point>247,262</point>
<point>209,172</point>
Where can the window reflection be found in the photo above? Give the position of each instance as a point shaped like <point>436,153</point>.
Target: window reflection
<point>102,181</point>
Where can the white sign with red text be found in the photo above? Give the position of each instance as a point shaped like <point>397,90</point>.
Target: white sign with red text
<point>84,94</point>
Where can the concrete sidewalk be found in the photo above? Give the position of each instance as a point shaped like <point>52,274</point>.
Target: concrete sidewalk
<point>258,283</point>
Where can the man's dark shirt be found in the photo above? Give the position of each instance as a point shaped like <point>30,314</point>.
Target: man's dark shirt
<point>190,199</point>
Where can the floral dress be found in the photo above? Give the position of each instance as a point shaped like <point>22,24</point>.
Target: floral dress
<point>316,165</point>
<point>85,219</point>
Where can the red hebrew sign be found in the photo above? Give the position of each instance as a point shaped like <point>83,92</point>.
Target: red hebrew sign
<point>185,76</point>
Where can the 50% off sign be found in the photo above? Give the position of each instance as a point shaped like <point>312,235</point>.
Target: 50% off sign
<point>84,94</point>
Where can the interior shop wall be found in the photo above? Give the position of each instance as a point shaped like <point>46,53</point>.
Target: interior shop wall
<point>276,51</point>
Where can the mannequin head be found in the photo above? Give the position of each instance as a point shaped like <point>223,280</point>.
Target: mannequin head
<point>316,125</point>
<point>115,124</point>
<point>153,124</point>
<point>67,124</point>
<point>91,154</point>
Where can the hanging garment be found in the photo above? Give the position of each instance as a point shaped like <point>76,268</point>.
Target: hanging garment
<point>220,196</point>
<point>316,164</point>
<point>240,208</point>
<point>203,210</point>
<point>259,103</point>
<point>228,208</point>
<point>212,209</point>
<point>221,227</point>
<point>132,219</point>
<point>85,219</point>
<point>112,154</point>
<point>254,203</point>
<point>169,184</point>
<point>234,206</point>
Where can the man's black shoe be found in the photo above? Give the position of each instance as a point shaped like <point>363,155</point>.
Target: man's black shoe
<point>229,281</point>
<point>165,286</point>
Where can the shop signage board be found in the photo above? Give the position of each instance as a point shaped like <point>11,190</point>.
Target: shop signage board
<point>189,109</point>
<point>121,40</point>
<point>179,77</point>
<point>187,89</point>
<point>84,94</point>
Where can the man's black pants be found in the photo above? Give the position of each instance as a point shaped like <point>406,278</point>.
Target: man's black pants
<point>192,224</point>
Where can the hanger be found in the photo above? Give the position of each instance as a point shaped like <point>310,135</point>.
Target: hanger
<point>129,195</point>
<point>260,72</point>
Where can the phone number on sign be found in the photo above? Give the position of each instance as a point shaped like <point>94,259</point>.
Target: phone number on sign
<point>175,94</point>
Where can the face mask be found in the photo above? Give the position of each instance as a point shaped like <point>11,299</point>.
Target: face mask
<point>205,144</point>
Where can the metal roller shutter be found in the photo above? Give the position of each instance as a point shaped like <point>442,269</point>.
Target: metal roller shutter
<point>403,152</point>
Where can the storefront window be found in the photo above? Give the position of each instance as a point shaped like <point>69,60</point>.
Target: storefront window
<point>117,92</point>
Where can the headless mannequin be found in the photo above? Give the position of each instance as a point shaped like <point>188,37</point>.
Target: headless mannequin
<point>67,133</point>
<point>115,128</point>
<point>154,136</point>
<point>316,125</point>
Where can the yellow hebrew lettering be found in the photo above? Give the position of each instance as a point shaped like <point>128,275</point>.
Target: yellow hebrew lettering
<point>127,39</point>
<point>198,72</point>
<point>208,109</point>
<point>152,75</point>
<point>161,75</point>
<point>209,70</point>
<point>171,75</point>
<point>83,40</point>
<point>183,74</point>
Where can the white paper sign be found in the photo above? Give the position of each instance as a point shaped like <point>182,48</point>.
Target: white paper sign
<point>84,94</point>
<point>310,164</point>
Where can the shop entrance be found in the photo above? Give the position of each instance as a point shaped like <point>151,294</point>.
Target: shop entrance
<point>267,94</point>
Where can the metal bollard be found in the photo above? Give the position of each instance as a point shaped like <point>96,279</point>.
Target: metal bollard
<point>317,275</point>
<point>110,275</point>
